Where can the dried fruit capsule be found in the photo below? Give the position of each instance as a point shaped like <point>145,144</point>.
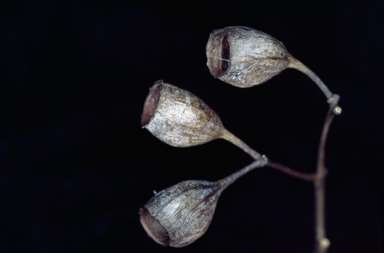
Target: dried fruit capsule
<point>178,117</point>
<point>180,214</point>
<point>181,119</point>
<point>244,57</point>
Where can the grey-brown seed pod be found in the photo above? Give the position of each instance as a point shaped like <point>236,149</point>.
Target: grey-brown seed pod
<point>181,119</point>
<point>180,214</point>
<point>244,57</point>
<point>178,117</point>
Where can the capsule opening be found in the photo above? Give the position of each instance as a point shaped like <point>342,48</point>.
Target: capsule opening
<point>150,104</point>
<point>224,54</point>
<point>153,227</point>
<point>218,53</point>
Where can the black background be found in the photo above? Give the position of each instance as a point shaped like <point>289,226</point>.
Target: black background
<point>76,166</point>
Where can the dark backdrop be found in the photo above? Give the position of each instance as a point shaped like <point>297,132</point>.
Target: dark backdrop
<point>76,166</point>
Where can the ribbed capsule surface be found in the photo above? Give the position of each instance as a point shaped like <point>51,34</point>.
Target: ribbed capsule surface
<point>179,215</point>
<point>178,117</point>
<point>244,57</point>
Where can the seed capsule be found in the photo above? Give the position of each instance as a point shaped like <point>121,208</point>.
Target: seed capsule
<point>181,119</point>
<point>244,57</point>
<point>178,117</point>
<point>180,214</point>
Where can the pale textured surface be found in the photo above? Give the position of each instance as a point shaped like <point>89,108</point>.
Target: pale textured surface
<point>254,56</point>
<point>185,210</point>
<point>181,119</point>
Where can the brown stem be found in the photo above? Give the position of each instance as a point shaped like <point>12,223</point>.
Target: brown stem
<point>228,136</point>
<point>291,172</point>
<point>255,155</point>
<point>318,179</point>
<point>225,182</point>
<point>322,242</point>
<point>298,65</point>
